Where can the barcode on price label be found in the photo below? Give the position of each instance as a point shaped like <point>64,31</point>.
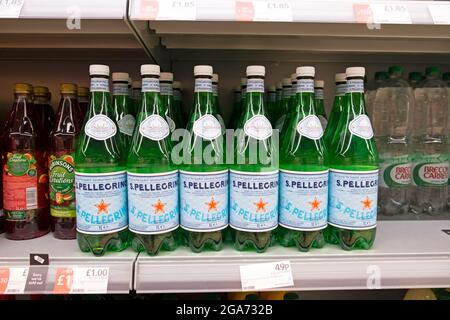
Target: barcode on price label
<point>440,13</point>
<point>263,10</point>
<point>13,280</point>
<point>81,280</point>
<point>266,275</point>
<point>390,13</point>
<point>10,8</point>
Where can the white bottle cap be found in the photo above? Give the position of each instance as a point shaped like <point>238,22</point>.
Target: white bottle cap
<point>99,69</point>
<point>305,71</point>
<point>319,83</point>
<point>237,89</point>
<point>340,77</point>
<point>120,76</point>
<point>256,71</point>
<point>136,84</point>
<point>150,69</point>
<point>130,81</point>
<point>215,77</point>
<point>243,81</point>
<point>166,76</point>
<point>272,88</point>
<point>294,77</point>
<point>177,85</point>
<point>279,85</point>
<point>287,82</point>
<point>203,71</point>
<point>355,72</point>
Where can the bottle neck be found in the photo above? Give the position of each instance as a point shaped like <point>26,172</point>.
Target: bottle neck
<point>304,95</point>
<point>255,95</point>
<point>41,100</point>
<point>83,99</point>
<point>177,94</point>
<point>203,95</point>
<point>100,96</point>
<point>150,101</point>
<point>286,93</point>
<point>120,88</point>
<point>318,94</point>
<point>341,89</point>
<point>215,89</point>
<point>355,95</point>
<point>166,88</point>
<point>23,97</point>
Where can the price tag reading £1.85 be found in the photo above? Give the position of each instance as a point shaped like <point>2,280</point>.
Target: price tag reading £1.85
<point>266,275</point>
<point>81,280</point>
<point>263,10</point>
<point>11,8</point>
<point>390,13</point>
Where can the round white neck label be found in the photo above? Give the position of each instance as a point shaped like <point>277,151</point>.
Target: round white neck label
<point>310,127</point>
<point>207,127</point>
<point>100,127</point>
<point>154,127</point>
<point>258,127</point>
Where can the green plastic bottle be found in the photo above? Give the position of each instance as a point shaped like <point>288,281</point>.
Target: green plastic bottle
<point>166,90</point>
<point>283,107</point>
<point>121,106</point>
<point>217,113</point>
<point>100,176</point>
<point>254,172</point>
<point>338,104</point>
<point>152,178</point>
<point>320,105</point>
<point>303,173</point>
<point>203,171</point>
<point>178,104</point>
<point>353,181</point>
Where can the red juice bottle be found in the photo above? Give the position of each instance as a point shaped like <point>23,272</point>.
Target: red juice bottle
<point>69,120</point>
<point>41,101</point>
<point>83,99</point>
<point>25,179</point>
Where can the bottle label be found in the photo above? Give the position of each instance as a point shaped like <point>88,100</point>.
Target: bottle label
<point>24,187</point>
<point>361,127</point>
<point>120,89</point>
<point>177,95</point>
<point>100,127</point>
<point>154,127</point>
<point>150,85</point>
<point>203,85</point>
<point>166,89</point>
<point>303,200</point>
<point>293,89</point>
<point>171,123</point>
<point>318,94</point>
<point>323,121</point>
<point>430,170</point>
<point>287,92</point>
<point>353,199</point>
<point>215,89</point>
<point>153,202</point>
<point>395,172</point>
<point>62,180</point>
<point>255,85</point>
<point>207,127</point>
<point>272,96</point>
<point>204,200</point>
<point>258,127</point>
<point>101,202</point>
<point>305,85</point>
<point>253,201</point>
<point>355,85</point>
<point>341,89</point>
<point>126,124</point>
<point>310,127</point>
<point>99,85</point>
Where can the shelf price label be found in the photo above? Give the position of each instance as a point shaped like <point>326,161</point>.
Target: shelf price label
<point>13,280</point>
<point>81,280</point>
<point>181,10</point>
<point>263,10</point>
<point>390,13</point>
<point>440,13</point>
<point>266,275</point>
<point>11,8</point>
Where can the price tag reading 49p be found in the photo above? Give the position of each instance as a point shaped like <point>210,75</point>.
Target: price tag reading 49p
<point>81,280</point>
<point>266,275</point>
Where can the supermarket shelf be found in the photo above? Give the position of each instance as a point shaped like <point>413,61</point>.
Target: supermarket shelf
<point>406,254</point>
<point>65,253</point>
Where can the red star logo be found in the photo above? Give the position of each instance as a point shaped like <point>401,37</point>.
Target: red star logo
<point>260,205</point>
<point>367,203</point>
<point>212,205</point>
<point>159,206</point>
<point>102,207</point>
<point>315,204</point>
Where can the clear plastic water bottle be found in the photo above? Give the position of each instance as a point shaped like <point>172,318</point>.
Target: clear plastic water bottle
<point>430,145</point>
<point>369,96</point>
<point>415,78</point>
<point>392,113</point>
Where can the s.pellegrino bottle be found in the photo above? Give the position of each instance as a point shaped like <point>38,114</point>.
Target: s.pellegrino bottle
<point>336,111</point>
<point>136,89</point>
<point>203,172</point>
<point>166,89</point>
<point>319,101</point>
<point>178,103</point>
<point>217,112</point>
<point>100,174</point>
<point>236,105</point>
<point>254,172</point>
<point>121,106</point>
<point>25,169</point>
<point>271,102</point>
<point>61,167</point>
<point>303,173</point>
<point>283,107</point>
<point>353,180</point>
<point>152,179</point>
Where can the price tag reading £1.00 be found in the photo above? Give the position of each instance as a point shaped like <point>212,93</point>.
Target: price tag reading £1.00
<point>266,275</point>
<point>81,280</point>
